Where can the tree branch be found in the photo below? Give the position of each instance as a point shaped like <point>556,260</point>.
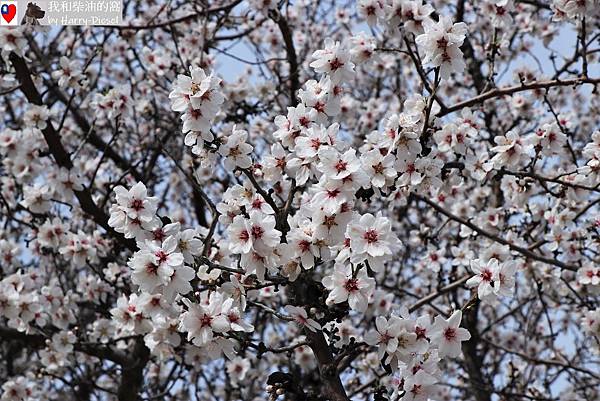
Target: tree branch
<point>494,93</point>
<point>524,251</point>
<point>60,154</point>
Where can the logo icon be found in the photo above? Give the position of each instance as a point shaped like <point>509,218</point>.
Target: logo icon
<point>33,14</point>
<point>8,10</point>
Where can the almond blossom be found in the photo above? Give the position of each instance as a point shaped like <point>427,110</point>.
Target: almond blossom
<point>371,239</point>
<point>441,43</point>
<point>201,322</point>
<point>300,200</point>
<point>346,285</point>
<point>447,334</point>
<point>333,60</point>
<point>301,317</point>
<point>236,151</point>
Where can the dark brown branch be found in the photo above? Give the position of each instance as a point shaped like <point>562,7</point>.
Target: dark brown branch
<point>84,125</point>
<point>132,373</point>
<point>473,361</point>
<point>423,76</point>
<point>261,191</point>
<point>539,361</point>
<point>494,93</point>
<point>38,341</point>
<point>332,385</point>
<point>168,23</point>
<point>540,178</point>
<point>286,32</point>
<point>425,300</point>
<point>60,154</point>
<point>132,366</point>
<point>524,251</point>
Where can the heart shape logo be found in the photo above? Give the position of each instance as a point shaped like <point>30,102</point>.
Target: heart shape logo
<point>8,11</point>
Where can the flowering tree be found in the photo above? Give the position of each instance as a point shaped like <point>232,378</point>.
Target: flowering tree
<point>391,200</point>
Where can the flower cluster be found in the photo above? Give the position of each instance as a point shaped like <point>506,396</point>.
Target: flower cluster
<point>591,324</point>
<point>199,97</point>
<point>113,103</point>
<point>441,42</point>
<point>70,74</point>
<point>572,9</point>
<point>162,271</point>
<point>414,348</point>
<point>134,213</point>
<point>336,167</point>
<point>493,279</point>
<point>256,240</point>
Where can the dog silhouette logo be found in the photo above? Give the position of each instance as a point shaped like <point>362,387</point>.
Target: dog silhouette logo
<point>33,14</point>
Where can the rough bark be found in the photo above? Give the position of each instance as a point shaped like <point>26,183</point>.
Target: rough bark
<point>332,386</point>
